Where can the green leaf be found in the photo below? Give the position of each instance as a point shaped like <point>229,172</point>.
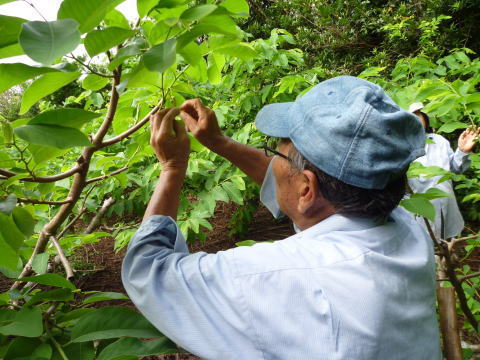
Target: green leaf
<point>9,257</point>
<point>45,42</point>
<point>10,28</point>
<point>51,135</point>
<point>233,192</point>
<point>102,296</point>
<point>419,206</point>
<point>14,74</point>
<point>242,51</point>
<point>51,295</point>
<point>88,13</point>
<point>197,12</point>
<point>191,53</point>
<point>135,47</point>
<point>202,29</point>
<point>160,57</point>
<point>21,347</point>
<point>66,117</point>
<point>116,18</point>
<point>98,41</point>
<point>27,322</point>
<point>452,126</point>
<point>50,279</point>
<point>144,6</point>
<point>239,7</point>
<point>79,351</point>
<point>40,263</point>
<point>12,236</point>
<point>11,50</point>
<point>135,348</point>
<point>24,221</point>
<point>94,82</point>
<point>44,86</point>
<point>7,205</point>
<point>214,70</point>
<point>246,243</point>
<point>112,322</point>
<point>42,153</point>
<point>44,351</point>
<point>431,194</point>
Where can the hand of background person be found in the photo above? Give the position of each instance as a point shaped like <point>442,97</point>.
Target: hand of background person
<point>202,122</point>
<point>466,141</point>
<point>169,139</point>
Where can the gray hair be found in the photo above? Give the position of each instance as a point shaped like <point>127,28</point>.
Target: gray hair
<point>352,200</point>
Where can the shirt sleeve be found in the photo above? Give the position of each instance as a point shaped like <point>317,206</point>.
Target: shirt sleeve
<point>192,298</point>
<point>459,161</point>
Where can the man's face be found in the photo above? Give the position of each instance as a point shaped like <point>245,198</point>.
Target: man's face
<point>285,181</point>
<point>422,118</point>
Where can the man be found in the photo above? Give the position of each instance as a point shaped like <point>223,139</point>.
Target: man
<point>357,281</point>
<point>438,152</point>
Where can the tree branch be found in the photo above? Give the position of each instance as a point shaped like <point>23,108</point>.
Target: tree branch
<point>103,177</point>
<point>42,179</point>
<point>134,128</point>
<point>94,223</point>
<point>88,67</point>
<point>469,276</point>
<point>63,258</point>
<point>33,201</point>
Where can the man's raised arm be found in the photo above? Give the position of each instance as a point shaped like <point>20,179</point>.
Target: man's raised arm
<point>202,122</point>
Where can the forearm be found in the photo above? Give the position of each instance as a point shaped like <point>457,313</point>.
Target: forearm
<point>166,197</point>
<point>250,160</point>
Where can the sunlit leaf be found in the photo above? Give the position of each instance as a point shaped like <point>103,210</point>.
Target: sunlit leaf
<point>160,57</point>
<point>51,135</point>
<point>98,41</point>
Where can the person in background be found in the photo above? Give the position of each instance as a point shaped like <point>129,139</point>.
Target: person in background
<point>438,152</point>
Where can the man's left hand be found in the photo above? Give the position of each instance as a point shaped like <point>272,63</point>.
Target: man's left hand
<point>466,141</point>
<point>169,139</point>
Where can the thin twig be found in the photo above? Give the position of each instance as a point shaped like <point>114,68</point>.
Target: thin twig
<point>47,202</point>
<point>63,258</point>
<point>42,179</point>
<point>469,276</point>
<point>94,223</point>
<point>103,177</point>
<point>88,67</point>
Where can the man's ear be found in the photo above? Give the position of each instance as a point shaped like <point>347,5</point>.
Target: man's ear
<point>308,192</point>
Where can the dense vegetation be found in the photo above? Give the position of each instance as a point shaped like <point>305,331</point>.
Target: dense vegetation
<point>73,142</point>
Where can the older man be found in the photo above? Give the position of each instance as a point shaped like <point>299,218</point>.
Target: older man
<point>355,282</point>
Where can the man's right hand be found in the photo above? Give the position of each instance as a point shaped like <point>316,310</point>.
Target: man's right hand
<point>202,123</point>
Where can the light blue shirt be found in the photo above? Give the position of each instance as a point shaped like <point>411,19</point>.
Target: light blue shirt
<point>346,288</point>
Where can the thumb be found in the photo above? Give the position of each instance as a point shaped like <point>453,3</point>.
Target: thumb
<point>189,121</point>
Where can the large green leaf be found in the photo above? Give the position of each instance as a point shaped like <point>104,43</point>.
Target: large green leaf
<point>160,57</point>
<point>94,82</point>
<point>116,18</point>
<point>122,348</point>
<point>11,50</point>
<point>66,117</point>
<point>45,42</point>
<point>8,256</point>
<point>197,12</point>
<point>17,73</point>
<point>45,85</point>
<point>12,236</point>
<point>10,28</point>
<point>452,126</point>
<point>27,322</point>
<point>419,206</point>
<point>40,263</point>
<point>8,204</point>
<point>99,41</point>
<point>144,6</point>
<point>239,7</point>
<point>88,13</point>
<point>135,47</point>
<point>112,322</point>
<point>51,295</point>
<point>103,296</point>
<point>52,135</point>
<point>24,221</point>
<point>21,347</point>
<point>202,29</point>
<point>242,51</point>
<point>50,279</point>
<point>42,153</point>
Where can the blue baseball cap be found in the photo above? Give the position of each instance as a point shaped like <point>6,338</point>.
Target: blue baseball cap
<point>350,129</point>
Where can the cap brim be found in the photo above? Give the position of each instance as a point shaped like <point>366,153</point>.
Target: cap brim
<point>273,120</point>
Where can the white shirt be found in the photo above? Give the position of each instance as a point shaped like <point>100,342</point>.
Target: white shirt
<point>346,288</point>
<point>441,154</point>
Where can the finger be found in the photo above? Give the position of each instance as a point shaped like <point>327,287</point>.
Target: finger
<point>189,121</point>
<point>166,126</point>
<point>195,108</point>
<point>179,129</point>
<point>156,119</point>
